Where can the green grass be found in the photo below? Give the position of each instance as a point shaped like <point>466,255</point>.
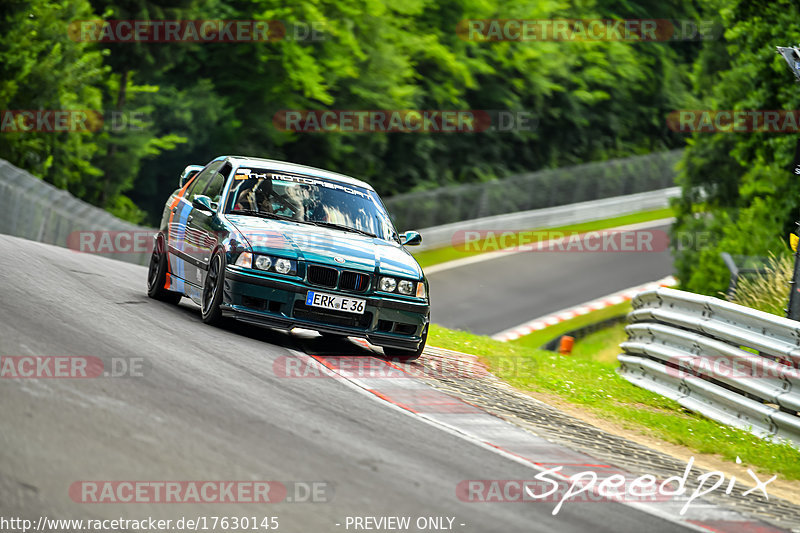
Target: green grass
<point>602,346</point>
<point>448,253</point>
<point>588,379</point>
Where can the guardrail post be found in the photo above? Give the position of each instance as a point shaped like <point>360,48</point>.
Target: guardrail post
<point>793,308</point>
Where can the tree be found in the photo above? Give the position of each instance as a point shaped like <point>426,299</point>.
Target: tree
<point>738,195</point>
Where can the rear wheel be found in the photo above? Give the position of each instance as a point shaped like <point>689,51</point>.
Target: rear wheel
<point>406,356</point>
<point>157,275</point>
<point>212,290</point>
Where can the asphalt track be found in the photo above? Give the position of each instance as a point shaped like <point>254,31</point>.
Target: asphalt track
<point>210,407</point>
<point>491,296</point>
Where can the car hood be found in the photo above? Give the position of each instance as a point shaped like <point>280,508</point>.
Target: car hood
<point>315,244</point>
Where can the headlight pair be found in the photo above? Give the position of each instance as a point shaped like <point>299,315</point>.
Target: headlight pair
<point>268,263</point>
<point>402,286</point>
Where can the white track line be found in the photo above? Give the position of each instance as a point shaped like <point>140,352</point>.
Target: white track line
<point>516,444</point>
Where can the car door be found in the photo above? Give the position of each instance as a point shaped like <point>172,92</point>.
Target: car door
<point>202,226</point>
<point>176,242</point>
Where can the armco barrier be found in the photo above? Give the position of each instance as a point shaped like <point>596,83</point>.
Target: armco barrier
<point>440,236</point>
<point>35,210</point>
<point>535,190</point>
<point>728,362</point>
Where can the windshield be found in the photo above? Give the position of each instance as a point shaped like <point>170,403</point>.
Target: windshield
<point>310,200</point>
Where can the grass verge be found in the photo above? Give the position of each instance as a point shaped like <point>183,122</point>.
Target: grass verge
<point>428,258</point>
<point>588,379</point>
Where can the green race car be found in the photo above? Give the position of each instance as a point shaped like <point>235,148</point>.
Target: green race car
<point>288,246</point>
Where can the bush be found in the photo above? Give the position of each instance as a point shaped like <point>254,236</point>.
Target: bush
<point>769,291</point>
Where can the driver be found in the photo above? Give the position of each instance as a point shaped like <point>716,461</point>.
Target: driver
<point>254,195</point>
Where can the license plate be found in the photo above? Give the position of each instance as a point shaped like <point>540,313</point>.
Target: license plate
<point>336,302</point>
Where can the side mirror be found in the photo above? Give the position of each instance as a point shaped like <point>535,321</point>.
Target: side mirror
<point>411,238</point>
<point>188,173</point>
<point>203,203</point>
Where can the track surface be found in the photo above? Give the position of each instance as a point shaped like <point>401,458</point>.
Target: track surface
<point>210,407</point>
<point>498,294</point>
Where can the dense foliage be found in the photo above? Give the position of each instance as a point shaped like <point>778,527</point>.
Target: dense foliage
<point>189,102</point>
<point>739,194</point>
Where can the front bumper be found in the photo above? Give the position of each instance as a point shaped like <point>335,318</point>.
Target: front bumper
<point>266,301</point>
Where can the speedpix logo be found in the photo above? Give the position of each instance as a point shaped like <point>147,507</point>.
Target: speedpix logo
<point>551,485</point>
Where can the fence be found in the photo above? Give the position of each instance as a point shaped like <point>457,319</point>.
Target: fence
<point>537,190</point>
<point>35,210</point>
<point>550,217</point>
<point>730,363</point>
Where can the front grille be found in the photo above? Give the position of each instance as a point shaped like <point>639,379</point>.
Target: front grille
<point>353,281</point>
<point>325,316</point>
<point>323,276</point>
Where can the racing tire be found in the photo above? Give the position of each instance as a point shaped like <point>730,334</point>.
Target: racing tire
<point>157,276</point>
<point>212,290</point>
<point>406,356</point>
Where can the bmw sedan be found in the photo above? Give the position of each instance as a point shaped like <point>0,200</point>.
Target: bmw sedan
<point>289,246</point>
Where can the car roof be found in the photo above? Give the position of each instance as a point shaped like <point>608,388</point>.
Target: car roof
<point>285,166</point>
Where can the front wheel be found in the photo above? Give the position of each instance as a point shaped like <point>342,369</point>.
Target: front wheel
<point>157,275</point>
<point>406,356</point>
<point>212,290</point>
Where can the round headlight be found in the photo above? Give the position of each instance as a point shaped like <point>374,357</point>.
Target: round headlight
<point>388,284</point>
<point>283,266</point>
<point>263,262</point>
<point>405,287</point>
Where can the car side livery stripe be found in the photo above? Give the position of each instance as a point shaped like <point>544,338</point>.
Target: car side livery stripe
<point>175,203</point>
<point>168,283</point>
<point>180,264</point>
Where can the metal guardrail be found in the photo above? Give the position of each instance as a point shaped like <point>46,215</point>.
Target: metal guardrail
<point>33,209</point>
<point>535,190</point>
<point>551,217</point>
<point>728,362</point>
